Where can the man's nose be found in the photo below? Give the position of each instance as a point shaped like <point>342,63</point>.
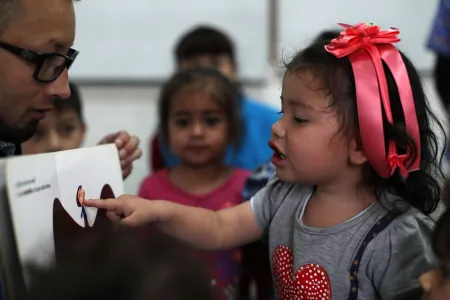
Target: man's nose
<point>60,87</point>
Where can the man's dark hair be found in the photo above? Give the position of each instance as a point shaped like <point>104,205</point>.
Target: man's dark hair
<point>203,40</point>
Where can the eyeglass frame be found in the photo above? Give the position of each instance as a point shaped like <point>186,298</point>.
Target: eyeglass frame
<point>39,58</point>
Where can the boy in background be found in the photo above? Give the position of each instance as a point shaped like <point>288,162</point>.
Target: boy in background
<point>208,47</point>
<point>62,129</point>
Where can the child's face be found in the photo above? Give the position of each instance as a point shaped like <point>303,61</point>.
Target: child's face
<point>198,128</point>
<point>221,63</point>
<point>435,285</point>
<point>308,135</point>
<point>60,130</point>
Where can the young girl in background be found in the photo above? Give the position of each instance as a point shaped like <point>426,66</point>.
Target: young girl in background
<point>199,116</point>
<point>356,178</point>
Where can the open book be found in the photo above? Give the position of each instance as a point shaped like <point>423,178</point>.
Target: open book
<point>41,206</point>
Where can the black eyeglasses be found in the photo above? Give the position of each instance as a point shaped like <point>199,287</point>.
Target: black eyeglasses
<point>49,66</point>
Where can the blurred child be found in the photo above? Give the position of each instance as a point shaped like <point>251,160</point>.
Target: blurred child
<point>436,283</point>
<point>356,178</point>
<point>208,47</point>
<point>121,265</point>
<point>199,117</point>
<point>62,129</point>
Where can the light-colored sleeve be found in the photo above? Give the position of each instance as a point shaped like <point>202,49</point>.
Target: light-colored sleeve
<point>401,254</point>
<point>266,202</point>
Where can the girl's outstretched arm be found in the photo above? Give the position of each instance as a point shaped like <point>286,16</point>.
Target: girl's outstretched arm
<point>202,228</point>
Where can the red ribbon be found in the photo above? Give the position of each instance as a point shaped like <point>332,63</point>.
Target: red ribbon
<point>367,47</point>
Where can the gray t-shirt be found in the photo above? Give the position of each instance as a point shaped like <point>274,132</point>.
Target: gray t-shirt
<point>315,263</point>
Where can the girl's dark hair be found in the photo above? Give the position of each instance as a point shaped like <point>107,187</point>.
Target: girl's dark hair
<point>204,80</point>
<point>422,187</point>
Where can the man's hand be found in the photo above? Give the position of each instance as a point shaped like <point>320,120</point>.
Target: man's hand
<point>128,147</point>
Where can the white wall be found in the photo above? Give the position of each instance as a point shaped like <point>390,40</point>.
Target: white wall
<point>111,108</point>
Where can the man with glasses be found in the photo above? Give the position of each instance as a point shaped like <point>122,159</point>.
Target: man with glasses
<point>36,52</point>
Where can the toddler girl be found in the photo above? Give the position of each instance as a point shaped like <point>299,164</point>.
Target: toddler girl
<point>356,178</point>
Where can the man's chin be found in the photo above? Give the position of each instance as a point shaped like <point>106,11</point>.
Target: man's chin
<point>17,135</point>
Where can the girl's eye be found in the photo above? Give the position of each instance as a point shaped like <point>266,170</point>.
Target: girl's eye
<point>212,121</point>
<point>181,122</point>
<point>300,120</point>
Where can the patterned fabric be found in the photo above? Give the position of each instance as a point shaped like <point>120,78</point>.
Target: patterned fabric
<point>376,229</point>
<point>257,180</point>
<point>391,264</point>
<point>439,40</point>
<point>7,149</point>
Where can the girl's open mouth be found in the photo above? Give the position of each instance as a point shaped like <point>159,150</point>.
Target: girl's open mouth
<point>277,152</point>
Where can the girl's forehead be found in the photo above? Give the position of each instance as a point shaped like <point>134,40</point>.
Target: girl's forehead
<point>195,101</point>
<point>303,86</point>
<point>304,80</point>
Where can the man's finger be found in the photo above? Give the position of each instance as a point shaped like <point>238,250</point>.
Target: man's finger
<point>109,138</point>
<point>121,139</point>
<point>130,159</point>
<point>131,144</point>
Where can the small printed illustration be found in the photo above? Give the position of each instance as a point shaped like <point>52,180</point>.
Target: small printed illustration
<point>81,195</point>
<point>66,231</point>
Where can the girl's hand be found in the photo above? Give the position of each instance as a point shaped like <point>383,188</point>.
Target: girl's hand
<point>127,209</point>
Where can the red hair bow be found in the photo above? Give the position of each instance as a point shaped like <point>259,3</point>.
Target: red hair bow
<point>366,46</point>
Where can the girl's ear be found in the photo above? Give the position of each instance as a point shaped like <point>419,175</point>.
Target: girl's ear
<point>356,153</point>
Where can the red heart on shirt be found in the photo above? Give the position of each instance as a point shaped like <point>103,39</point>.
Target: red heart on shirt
<point>309,282</point>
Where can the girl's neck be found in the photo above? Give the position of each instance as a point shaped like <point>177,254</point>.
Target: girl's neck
<point>200,179</point>
<point>331,205</point>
